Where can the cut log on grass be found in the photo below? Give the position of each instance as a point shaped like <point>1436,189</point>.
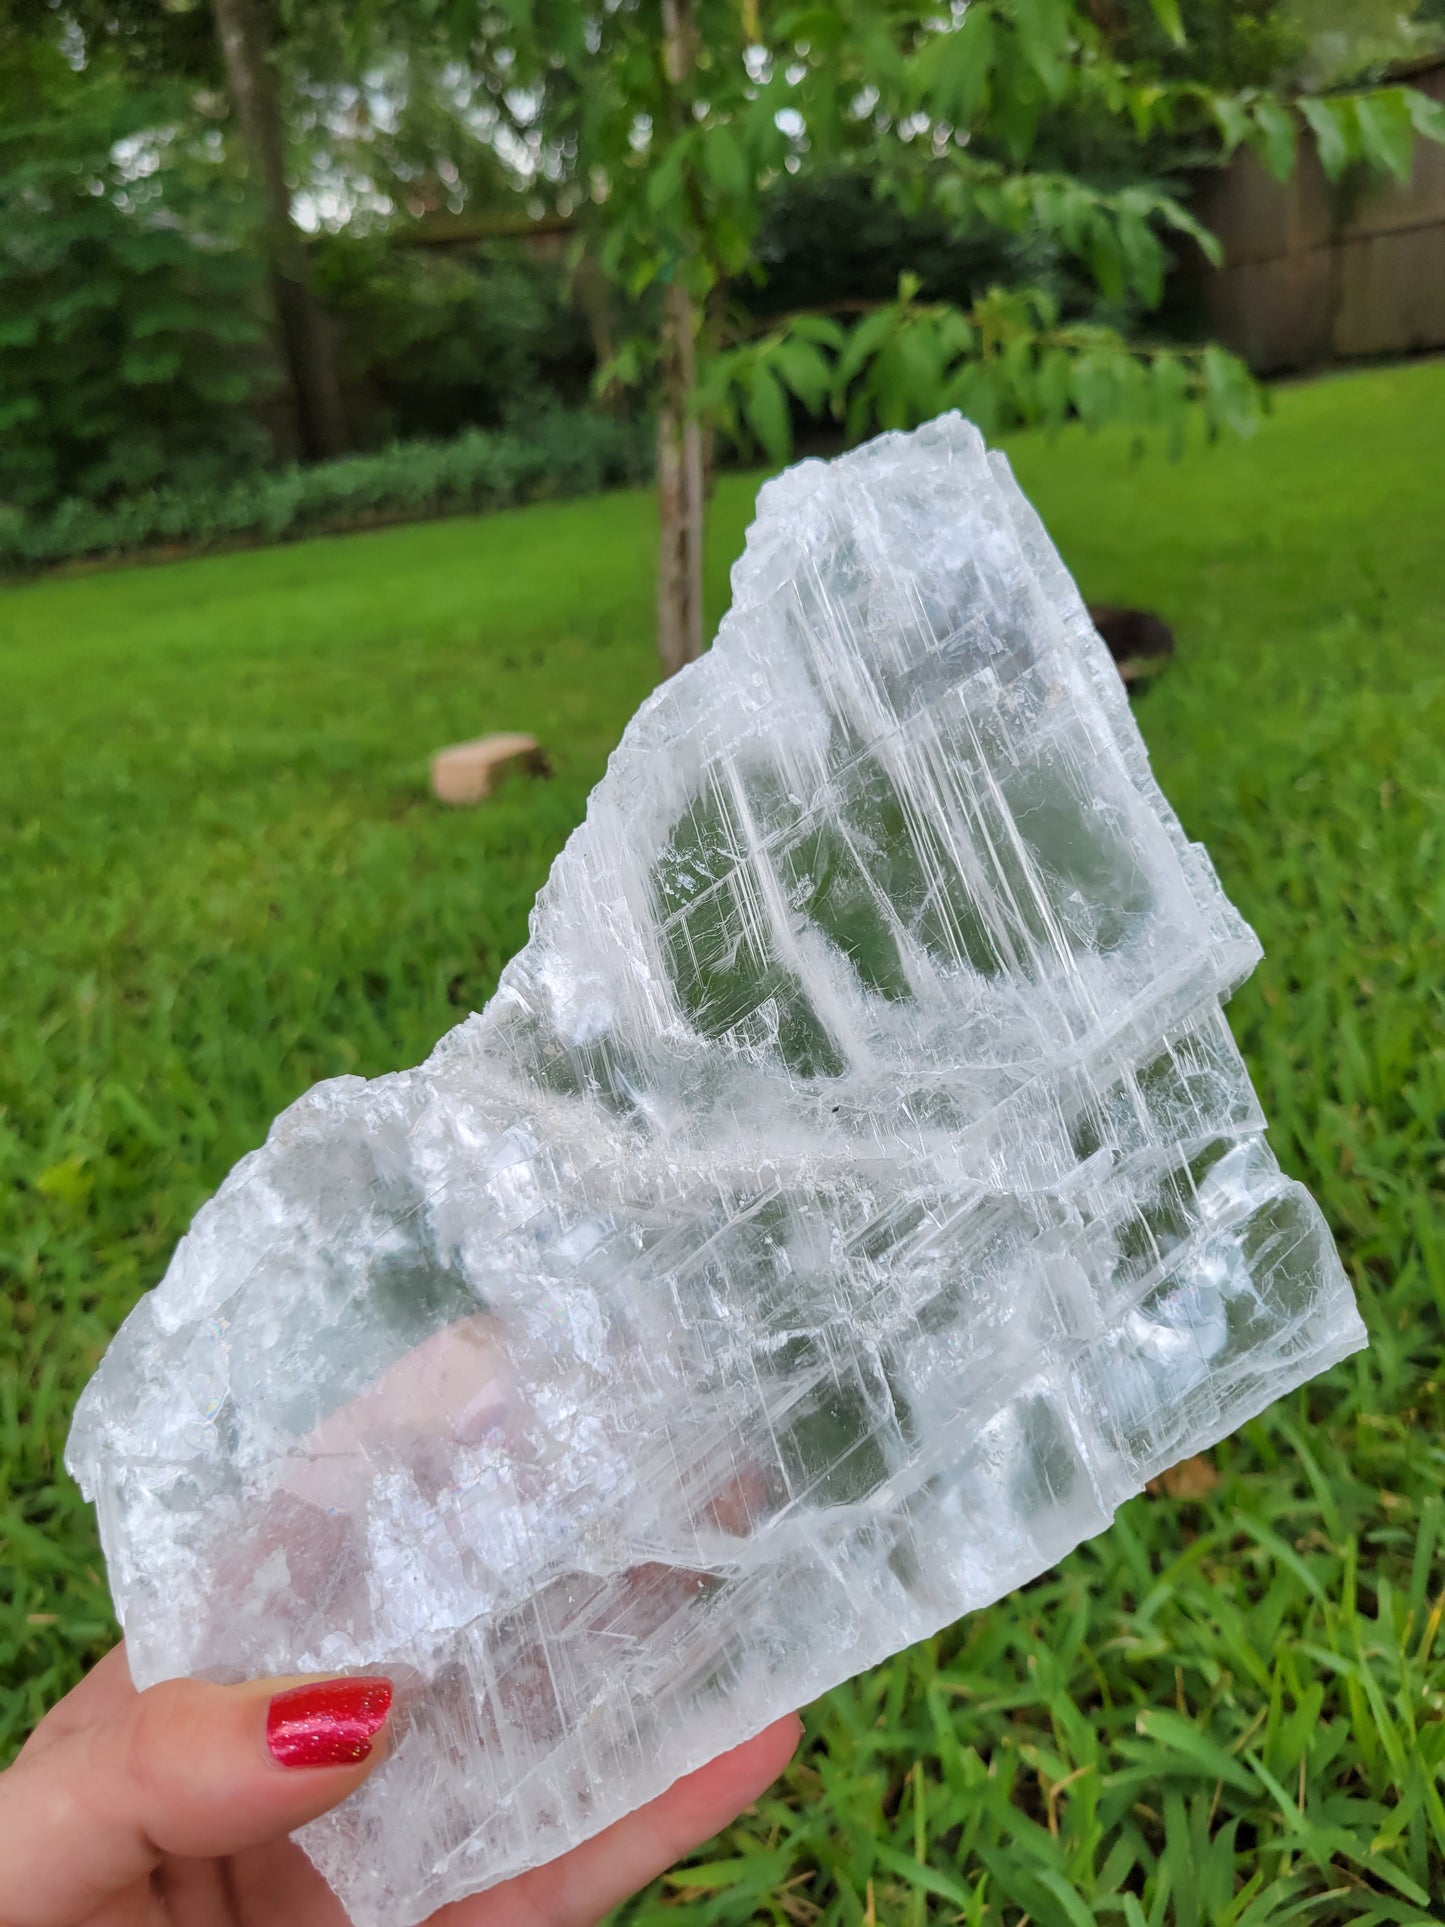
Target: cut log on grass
<point>466,773</point>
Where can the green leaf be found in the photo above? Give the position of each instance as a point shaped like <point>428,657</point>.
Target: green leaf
<point>745,1874</point>
<point>1331,120</point>
<point>68,1182</point>
<point>1178,1736</point>
<point>1387,130</point>
<point>1018,104</point>
<point>805,371</point>
<point>1051,386</point>
<point>624,369</point>
<point>961,87</point>
<point>823,115</point>
<point>878,56</point>
<point>820,328</point>
<point>1143,256</point>
<point>1143,101</point>
<point>1169,402</point>
<point>1075,1910</point>
<point>927,66</point>
<point>1095,387</point>
<point>860,409</point>
<point>1017,366</point>
<point>920,359</point>
<point>888,383</point>
<point>1232,401</point>
<point>641,275</point>
<point>1166,12</point>
<point>19,330</point>
<point>726,165</point>
<point>1042,31</point>
<point>16,409</point>
<point>1274,137</point>
<point>230,388</point>
<point>1426,115</point>
<point>1232,119</point>
<point>730,243</point>
<point>664,183</point>
<point>863,343</point>
<point>919,1875</point>
<point>1060,207</point>
<point>1394,1876</point>
<point>996,206</point>
<point>974,391</point>
<point>142,367</point>
<point>820,28</point>
<point>1106,258</point>
<point>1183,222</point>
<point>955,332</point>
<point>765,410</point>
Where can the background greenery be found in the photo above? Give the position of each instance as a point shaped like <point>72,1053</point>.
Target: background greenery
<point>561,451</point>
<point>234,233</point>
<point>226,881</point>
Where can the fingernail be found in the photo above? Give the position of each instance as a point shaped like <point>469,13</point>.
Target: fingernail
<point>330,1723</point>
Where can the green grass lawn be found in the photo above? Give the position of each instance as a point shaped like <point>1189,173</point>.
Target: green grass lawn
<point>225,881</point>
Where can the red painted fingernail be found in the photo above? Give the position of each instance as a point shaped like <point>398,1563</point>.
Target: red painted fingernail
<point>330,1723</point>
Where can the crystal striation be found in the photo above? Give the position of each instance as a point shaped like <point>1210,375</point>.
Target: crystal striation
<point>851,1194</point>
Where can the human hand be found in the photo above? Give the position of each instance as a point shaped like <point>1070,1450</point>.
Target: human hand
<point>171,1808</point>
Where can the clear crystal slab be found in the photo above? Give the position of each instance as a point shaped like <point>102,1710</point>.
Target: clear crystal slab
<point>851,1194</point>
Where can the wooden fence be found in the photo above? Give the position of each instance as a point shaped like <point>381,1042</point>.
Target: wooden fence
<point>1315,273</point>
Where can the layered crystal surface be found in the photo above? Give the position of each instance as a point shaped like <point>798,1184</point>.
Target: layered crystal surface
<point>850,1195</point>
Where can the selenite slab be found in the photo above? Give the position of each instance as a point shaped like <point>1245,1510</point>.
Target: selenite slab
<point>851,1194</point>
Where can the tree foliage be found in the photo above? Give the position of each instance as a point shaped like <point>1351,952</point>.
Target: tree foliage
<point>1026,128</point>
<point>131,334</point>
<point>1015,164</point>
<point>430,339</point>
<point>674,124</point>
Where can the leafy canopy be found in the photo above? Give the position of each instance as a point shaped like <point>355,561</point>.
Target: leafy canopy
<point>989,114</point>
<point>131,329</point>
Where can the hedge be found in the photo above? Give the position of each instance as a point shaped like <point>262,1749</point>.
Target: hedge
<point>563,452</point>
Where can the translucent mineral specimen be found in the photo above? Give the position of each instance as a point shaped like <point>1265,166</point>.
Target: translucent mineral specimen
<point>851,1194</point>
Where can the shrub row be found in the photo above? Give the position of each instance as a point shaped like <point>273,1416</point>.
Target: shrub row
<point>562,452</point>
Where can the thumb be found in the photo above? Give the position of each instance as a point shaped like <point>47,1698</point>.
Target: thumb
<point>186,1769</point>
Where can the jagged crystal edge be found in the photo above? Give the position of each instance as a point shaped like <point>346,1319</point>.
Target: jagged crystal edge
<point>861,1187</point>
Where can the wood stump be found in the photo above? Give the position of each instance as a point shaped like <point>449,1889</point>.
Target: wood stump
<point>466,773</point>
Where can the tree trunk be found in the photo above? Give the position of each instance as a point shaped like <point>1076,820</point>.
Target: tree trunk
<point>320,418</point>
<point>681,499</point>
